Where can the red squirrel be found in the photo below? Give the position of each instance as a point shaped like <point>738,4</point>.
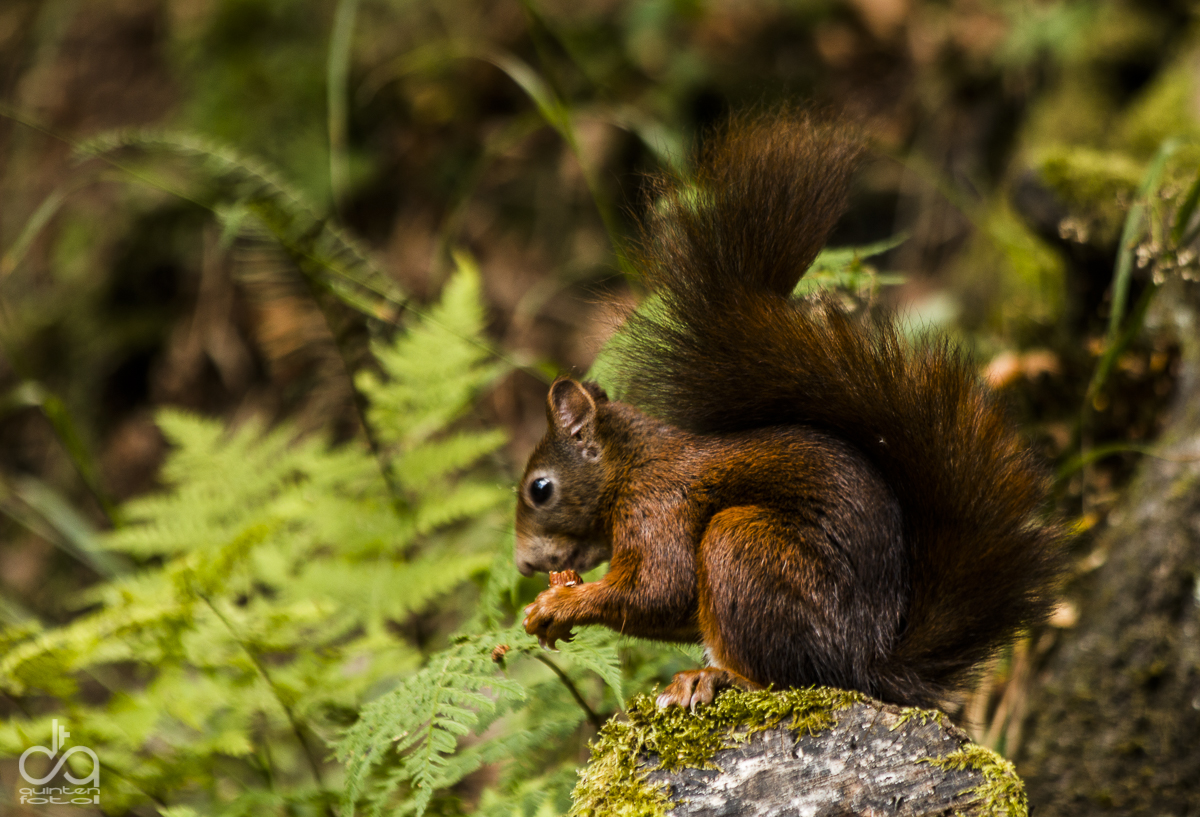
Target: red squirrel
<point>801,490</point>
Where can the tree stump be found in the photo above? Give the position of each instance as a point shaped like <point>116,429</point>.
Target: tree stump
<point>813,751</point>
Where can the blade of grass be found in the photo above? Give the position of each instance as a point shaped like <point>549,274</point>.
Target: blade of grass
<point>1129,234</point>
<point>1123,273</point>
<point>541,35</point>
<point>42,510</point>
<point>72,441</point>
<point>1101,451</point>
<point>558,116</point>
<point>666,145</point>
<point>550,107</point>
<point>30,394</point>
<point>496,145</point>
<point>1184,215</point>
<point>45,211</point>
<point>1117,340</point>
<point>13,613</point>
<point>337,74</point>
<point>1113,349</point>
<point>293,225</point>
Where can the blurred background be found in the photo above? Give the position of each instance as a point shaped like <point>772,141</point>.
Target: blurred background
<point>224,207</point>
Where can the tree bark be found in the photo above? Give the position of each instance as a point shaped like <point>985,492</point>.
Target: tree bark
<point>1115,725</point>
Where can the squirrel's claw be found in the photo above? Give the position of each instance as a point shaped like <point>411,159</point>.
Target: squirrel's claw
<point>542,621</point>
<point>700,686</point>
<point>689,689</point>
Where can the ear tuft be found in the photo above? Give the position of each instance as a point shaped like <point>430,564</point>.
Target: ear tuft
<point>570,406</point>
<point>596,391</point>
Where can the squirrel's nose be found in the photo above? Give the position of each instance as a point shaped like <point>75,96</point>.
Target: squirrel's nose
<point>525,567</point>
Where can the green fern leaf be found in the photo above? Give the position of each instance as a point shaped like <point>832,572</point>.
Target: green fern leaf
<point>464,500</point>
<point>435,369</point>
<point>595,648</point>
<point>422,719</point>
<point>237,185</point>
<point>438,458</point>
<point>530,796</point>
<point>388,589</point>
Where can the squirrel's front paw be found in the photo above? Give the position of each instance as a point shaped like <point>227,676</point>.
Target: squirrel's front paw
<point>547,617</point>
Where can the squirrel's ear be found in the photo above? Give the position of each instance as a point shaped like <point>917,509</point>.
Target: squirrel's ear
<point>596,391</point>
<point>570,406</point>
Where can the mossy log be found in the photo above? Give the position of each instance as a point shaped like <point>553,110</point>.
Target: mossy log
<point>1114,725</point>
<point>798,752</point>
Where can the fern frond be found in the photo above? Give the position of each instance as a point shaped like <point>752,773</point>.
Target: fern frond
<point>464,500</point>
<point>433,371</point>
<point>530,796</point>
<point>387,589</point>
<point>596,649</point>
<point>497,601</point>
<point>120,631</point>
<point>844,268</point>
<point>438,458</point>
<point>271,572</point>
<point>242,184</point>
<point>422,719</point>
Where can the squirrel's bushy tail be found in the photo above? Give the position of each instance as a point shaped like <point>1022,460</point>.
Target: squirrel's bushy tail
<point>725,349</point>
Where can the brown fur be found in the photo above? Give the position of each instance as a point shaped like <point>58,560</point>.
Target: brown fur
<point>809,497</point>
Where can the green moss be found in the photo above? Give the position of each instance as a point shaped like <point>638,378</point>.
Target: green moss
<point>1091,178</point>
<point>911,713</point>
<point>613,784</point>
<point>672,739</point>
<point>1033,284</point>
<point>1001,792</point>
<point>1164,109</point>
<point>1097,187</point>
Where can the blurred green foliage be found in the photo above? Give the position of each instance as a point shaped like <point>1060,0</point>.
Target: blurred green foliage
<point>358,235</point>
<point>271,571</point>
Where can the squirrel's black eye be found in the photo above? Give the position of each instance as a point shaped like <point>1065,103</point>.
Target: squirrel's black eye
<point>540,490</point>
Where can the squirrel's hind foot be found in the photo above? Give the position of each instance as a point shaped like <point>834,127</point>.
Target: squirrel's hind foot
<point>700,686</point>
